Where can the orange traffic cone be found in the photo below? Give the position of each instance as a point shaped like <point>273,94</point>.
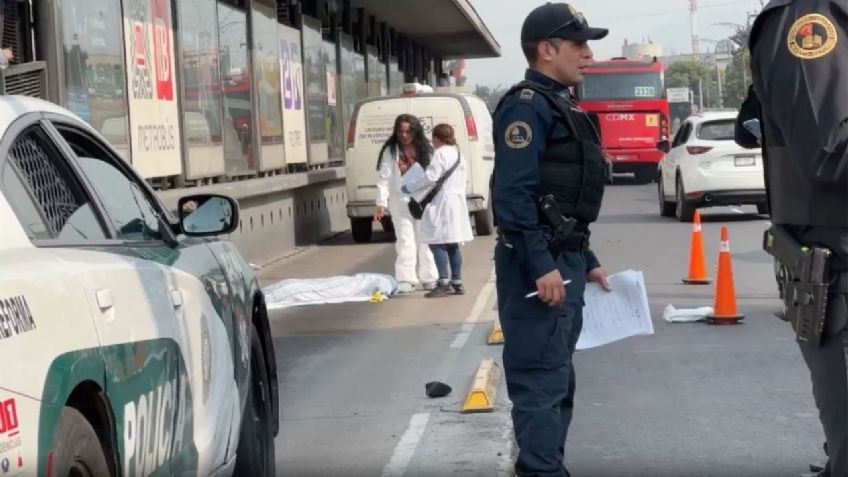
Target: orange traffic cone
<point>724,311</point>
<point>697,266</point>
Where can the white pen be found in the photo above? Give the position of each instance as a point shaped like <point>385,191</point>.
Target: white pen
<point>531,295</point>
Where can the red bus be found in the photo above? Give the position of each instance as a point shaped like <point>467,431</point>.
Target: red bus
<point>628,97</point>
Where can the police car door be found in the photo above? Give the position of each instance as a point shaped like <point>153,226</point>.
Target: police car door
<point>184,277</point>
<point>46,329</point>
<point>134,308</point>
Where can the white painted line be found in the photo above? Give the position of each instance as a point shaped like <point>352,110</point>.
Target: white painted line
<point>462,337</point>
<point>480,303</point>
<point>737,210</point>
<point>474,317</point>
<point>405,449</point>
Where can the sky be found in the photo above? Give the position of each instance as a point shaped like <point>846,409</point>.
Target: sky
<point>660,21</point>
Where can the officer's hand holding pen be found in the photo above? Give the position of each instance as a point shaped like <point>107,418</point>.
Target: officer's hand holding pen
<point>551,289</point>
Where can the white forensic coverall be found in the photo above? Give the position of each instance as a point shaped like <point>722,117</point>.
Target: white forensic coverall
<point>446,220</point>
<point>412,254</point>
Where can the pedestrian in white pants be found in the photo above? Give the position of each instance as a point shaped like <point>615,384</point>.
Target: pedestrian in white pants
<point>414,265</point>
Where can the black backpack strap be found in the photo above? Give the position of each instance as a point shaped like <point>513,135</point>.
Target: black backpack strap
<point>439,183</point>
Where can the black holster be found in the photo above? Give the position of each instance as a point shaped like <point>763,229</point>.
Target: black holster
<point>805,283</point>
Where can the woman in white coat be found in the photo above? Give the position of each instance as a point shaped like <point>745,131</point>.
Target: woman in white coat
<point>445,224</point>
<point>414,265</point>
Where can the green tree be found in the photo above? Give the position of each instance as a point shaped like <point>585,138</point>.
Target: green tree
<point>698,77</point>
<point>737,79</point>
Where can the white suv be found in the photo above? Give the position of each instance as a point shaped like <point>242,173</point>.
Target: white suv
<point>704,167</point>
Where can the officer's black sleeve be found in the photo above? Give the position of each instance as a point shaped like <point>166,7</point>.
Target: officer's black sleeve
<point>591,261</point>
<point>516,184</point>
<point>750,110</point>
<point>808,89</point>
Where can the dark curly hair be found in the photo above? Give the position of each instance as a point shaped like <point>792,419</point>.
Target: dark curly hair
<point>423,149</point>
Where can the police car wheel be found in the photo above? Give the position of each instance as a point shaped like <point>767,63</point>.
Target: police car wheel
<point>255,454</point>
<point>77,451</point>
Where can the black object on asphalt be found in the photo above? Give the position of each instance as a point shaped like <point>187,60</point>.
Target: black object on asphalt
<point>436,389</point>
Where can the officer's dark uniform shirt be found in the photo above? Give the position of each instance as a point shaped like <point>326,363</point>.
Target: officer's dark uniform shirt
<point>529,123</point>
<point>800,59</point>
<point>800,64</point>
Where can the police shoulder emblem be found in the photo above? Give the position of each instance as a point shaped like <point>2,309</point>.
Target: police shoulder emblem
<point>811,36</point>
<point>527,94</point>
<point>518,135</point>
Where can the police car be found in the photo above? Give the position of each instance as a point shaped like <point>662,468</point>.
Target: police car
<point>132,342</point>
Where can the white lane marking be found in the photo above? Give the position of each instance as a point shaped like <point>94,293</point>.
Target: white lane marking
<point>405,449</point>
<point>474,317</point>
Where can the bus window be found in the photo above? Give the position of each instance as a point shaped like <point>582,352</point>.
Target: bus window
<point>602,86</point>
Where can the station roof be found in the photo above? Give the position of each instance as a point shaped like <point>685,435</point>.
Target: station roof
<point>449,29</point>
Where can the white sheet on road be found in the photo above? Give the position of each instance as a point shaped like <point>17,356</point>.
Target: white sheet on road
<point>684,315</point>
<point>318,291</point>
<point>616,315</point>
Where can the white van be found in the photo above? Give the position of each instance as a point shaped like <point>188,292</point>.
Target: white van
<point>372,123</point>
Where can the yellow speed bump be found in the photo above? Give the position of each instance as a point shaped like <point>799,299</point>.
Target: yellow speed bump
<point>496,336</point>
<point>483,392</point>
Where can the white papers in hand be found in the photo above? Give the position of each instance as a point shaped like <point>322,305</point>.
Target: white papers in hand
<point>616,315</point>
<point>415,178</point>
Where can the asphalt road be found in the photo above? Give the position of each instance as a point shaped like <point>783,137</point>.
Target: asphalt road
<point>692,399</point>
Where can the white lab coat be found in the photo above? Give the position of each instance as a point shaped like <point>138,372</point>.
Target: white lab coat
<point>414,263</point>
<point>446,219</point>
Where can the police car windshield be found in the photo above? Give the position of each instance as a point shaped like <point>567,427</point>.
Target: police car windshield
<point>601,86</point>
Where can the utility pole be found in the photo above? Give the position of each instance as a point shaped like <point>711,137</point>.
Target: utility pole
<point>693,25</point>
<point>720,94</point>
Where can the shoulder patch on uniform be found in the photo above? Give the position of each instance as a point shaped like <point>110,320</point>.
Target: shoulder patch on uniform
<point>811,36</point>
<point>518,135</point>
<point>526,94</point>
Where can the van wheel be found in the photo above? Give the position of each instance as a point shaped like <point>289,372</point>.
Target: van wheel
<point>361,230</point>
<point>483,220</point>
<point>255,455</point>
<point>76,449</point>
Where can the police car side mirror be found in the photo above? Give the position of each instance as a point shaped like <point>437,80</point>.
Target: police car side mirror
<point>205,215</point>
<point>664,146</point>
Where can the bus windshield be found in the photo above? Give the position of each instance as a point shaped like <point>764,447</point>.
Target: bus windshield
<point>634,86</point>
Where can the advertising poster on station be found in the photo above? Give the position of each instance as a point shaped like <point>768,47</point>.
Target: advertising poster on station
<point>294,112</point>
<point>153,110</point>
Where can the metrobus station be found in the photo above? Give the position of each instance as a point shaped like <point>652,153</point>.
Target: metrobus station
<point>250,98</point>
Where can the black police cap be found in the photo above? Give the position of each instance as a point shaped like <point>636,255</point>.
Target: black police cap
<point>558,20</point>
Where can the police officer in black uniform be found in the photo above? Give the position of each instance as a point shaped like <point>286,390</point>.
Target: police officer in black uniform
<point>549,181</point>
<point>799,60</point>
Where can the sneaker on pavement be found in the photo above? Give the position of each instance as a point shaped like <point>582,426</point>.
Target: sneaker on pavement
<point>440,291</point>
<point>429,286</point>
<point>458,289</point>
<point>405,287</point>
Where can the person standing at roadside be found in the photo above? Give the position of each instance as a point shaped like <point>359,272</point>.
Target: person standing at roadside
<point>408,145</point>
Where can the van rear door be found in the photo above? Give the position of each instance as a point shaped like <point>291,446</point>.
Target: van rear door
<point>373,124</point>
<point>435,110</point>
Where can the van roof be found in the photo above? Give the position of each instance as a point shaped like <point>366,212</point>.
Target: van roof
<point>461,97</point>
